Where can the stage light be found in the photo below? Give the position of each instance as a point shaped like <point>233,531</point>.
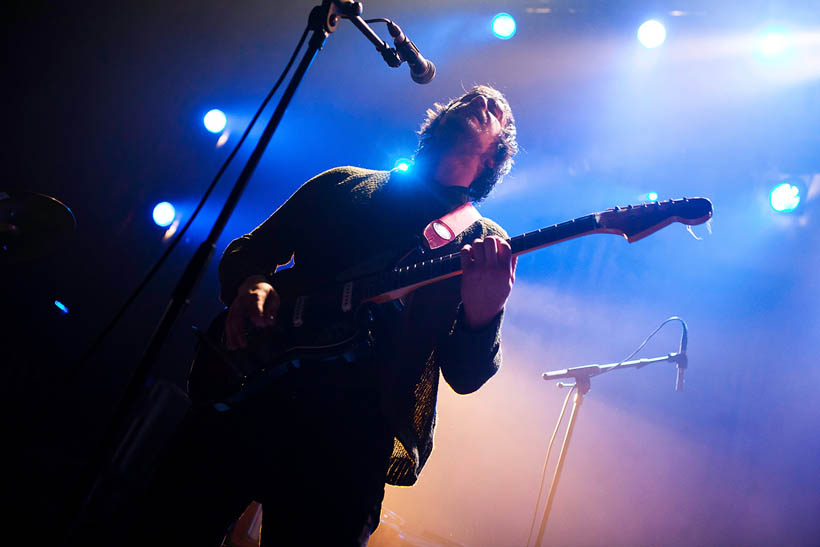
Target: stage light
<point>651,34</point>
<point>652,196</point>
<point>215,121</point>
<point>62,307</point>
<point>785,198</point>
<point>772,44</point>
<point>503,26</point>
<point>403,165</point>
<point>164,214</point>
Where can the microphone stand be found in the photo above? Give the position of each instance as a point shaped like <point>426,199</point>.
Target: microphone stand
<point>582,385</point>
<point>322,21</point>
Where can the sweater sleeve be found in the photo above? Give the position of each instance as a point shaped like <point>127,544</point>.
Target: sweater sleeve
<point>273,242</point>
<point>469,357</point>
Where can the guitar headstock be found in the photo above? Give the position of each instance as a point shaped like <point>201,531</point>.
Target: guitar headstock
<point>635,222</point>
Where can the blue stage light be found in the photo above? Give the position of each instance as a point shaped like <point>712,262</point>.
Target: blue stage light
<point>652,196</point>
<point>164,214</point>
<point>215,121</point>
<point>403,165</point>
<point>503,26</point>
<point>62,307</point>
<point>651,34</point>
<point>785,198</point>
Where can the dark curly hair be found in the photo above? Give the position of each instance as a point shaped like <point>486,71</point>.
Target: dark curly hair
<point>507,145</point>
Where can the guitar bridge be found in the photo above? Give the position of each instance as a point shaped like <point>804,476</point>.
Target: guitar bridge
<point>298,311</point>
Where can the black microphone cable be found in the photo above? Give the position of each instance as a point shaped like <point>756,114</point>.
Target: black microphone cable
<point>653,333</point>
<point>152,272</point>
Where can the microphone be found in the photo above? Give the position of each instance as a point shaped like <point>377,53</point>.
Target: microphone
<point>421,70</point>
<point>682,361</point>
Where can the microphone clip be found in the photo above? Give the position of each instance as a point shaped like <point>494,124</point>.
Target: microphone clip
<point>391,57</point>
<point>402,43</point>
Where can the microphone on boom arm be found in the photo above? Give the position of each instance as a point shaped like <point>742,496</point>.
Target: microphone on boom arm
<point>421,70</point>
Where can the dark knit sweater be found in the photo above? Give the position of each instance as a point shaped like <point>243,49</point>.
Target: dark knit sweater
<point>349,216</point>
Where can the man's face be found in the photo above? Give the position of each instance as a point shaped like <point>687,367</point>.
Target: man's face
<point>474,123</point>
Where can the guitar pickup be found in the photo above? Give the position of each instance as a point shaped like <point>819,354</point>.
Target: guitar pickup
<point>347,296</point>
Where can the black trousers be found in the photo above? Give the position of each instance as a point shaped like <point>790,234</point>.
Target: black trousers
<point>313,450</point>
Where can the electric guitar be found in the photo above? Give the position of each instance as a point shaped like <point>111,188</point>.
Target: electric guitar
<point>338,322</point>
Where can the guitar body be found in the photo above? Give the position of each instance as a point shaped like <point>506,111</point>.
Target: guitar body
<point>322,325</point>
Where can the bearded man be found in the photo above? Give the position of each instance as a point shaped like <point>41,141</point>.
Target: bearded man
<point>317,446</point>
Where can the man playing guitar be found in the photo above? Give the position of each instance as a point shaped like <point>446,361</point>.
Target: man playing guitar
<point>316,446</point>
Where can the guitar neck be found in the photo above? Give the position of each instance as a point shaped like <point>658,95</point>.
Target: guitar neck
<point>538,239</point>
<point>405,279</point>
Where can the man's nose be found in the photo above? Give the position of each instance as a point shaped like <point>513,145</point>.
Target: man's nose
<point>479,101</point>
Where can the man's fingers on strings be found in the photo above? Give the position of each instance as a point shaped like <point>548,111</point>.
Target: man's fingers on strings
<point>466,257</point>
<point>257,312</point>
<point>505,253</point>
<point>491,251</point>
<point>269,310</point>
<point>479,253</point>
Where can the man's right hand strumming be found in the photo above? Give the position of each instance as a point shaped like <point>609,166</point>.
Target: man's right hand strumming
<point>256,301</point>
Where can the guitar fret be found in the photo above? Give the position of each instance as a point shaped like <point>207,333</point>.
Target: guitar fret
<point>551,234</point>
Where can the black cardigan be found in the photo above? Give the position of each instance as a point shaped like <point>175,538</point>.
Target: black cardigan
<point>349,216</point>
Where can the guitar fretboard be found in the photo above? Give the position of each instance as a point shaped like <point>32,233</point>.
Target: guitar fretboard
<point>450,264</point>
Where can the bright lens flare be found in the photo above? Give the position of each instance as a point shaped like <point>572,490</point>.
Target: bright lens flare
<point>652,196</point>
<point>164,214</point>
<point>772,44</point>
<point>503,26</point>
<point>651,34</point>
<point>215,121</point>
<point>784,198</point>
<point>404,165</point>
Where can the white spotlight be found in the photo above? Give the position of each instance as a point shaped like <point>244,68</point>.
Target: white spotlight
<point>651,34</point>
<point>215,120</point>
<point>784,198</point>
<point>164,214</point>
<point>503,26</point>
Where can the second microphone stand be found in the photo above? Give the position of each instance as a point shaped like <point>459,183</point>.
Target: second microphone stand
<point>582,376</point>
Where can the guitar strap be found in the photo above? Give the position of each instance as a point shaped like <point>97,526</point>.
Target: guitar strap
<point>442,231</point>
